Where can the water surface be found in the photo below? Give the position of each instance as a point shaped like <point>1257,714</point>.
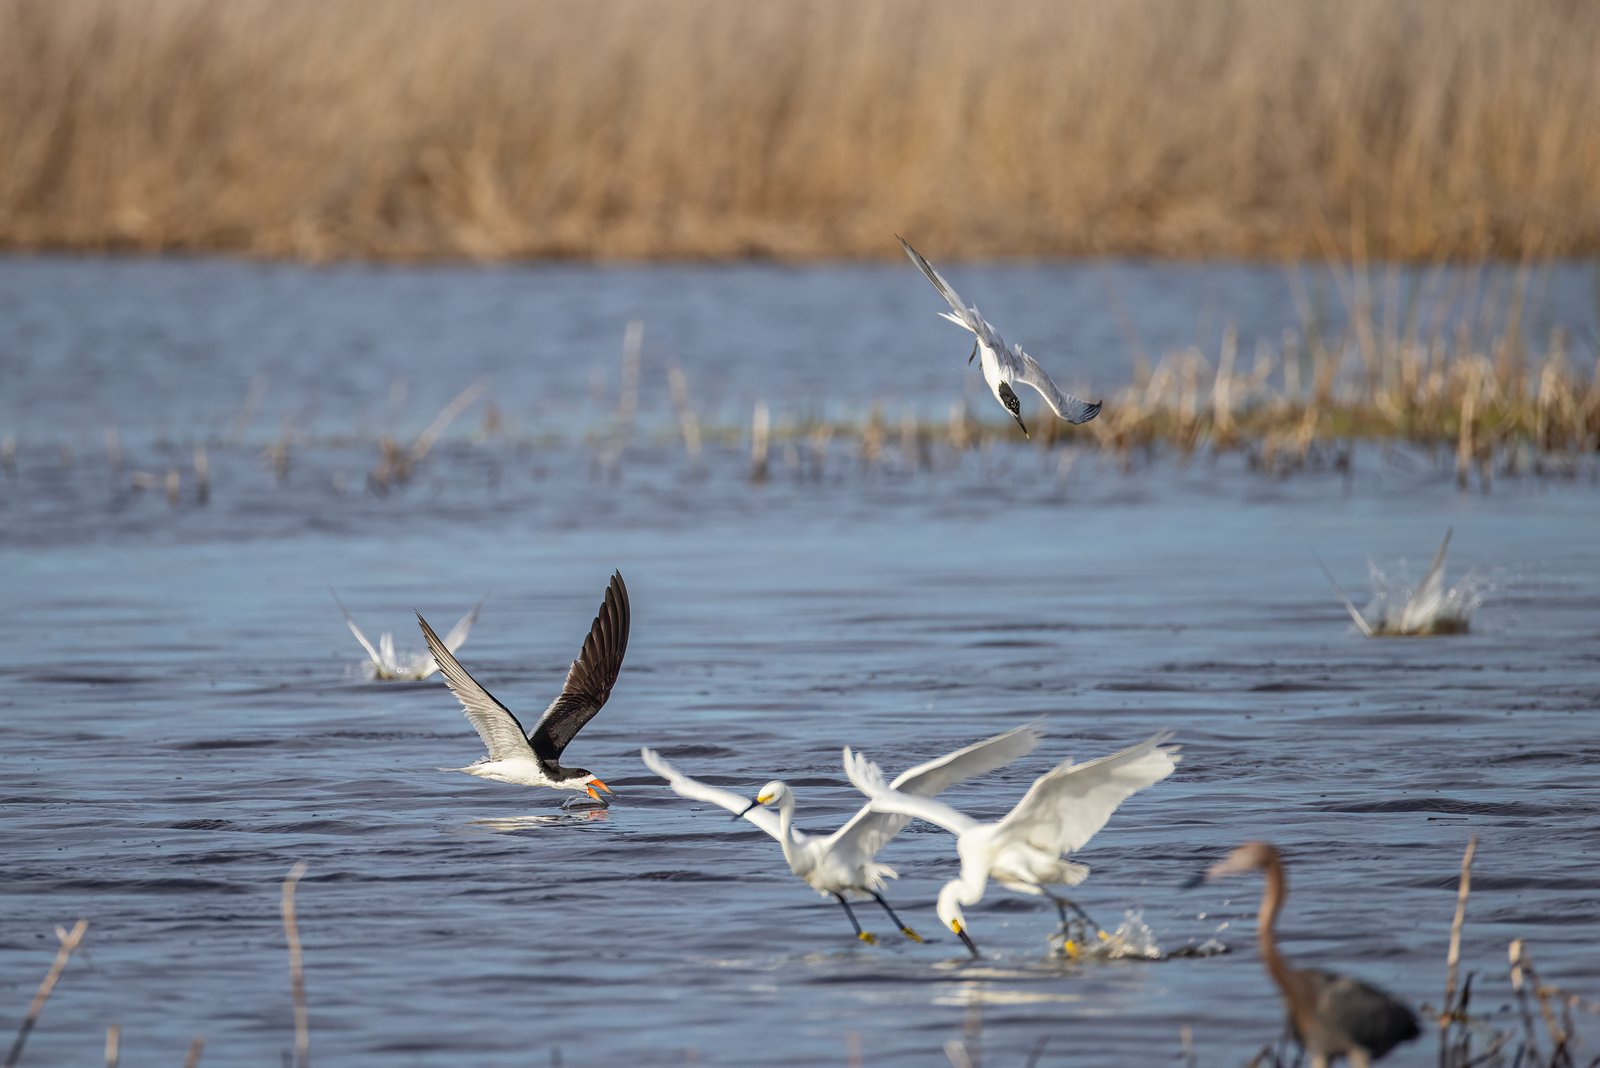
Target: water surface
<point>183,718</point>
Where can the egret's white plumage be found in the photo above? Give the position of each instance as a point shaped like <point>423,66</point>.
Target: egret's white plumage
<point>1026,850</point>
<point>385,663</point>
<point>534,758</point>
<point>1002,366</point>
<point>842,863</point>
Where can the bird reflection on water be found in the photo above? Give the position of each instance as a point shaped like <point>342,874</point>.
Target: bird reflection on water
<point>512,824</point>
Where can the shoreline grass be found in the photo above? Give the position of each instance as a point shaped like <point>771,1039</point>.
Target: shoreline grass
<point>1482,410</point>
<point>405,130</point>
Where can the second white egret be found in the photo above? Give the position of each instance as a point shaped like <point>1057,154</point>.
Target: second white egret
<point>842,863</point>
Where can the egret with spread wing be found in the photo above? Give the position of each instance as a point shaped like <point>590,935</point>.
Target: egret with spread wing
<point>1001,366</point>
<point>534,759</point>
<point>1026,851</point>
<point>385,663</point>
<point>842,863</point>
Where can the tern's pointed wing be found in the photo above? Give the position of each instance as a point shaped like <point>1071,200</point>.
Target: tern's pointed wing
<point>1066,806</point>
<point>696,790</point>
<point>1424,605</point>
<point>590,678</point>
<point>351,623</point>
<point>499,729</point>
<point>1349,606</point>
<point>458,633</point>
<point>885,801</point>
<point>1068,407</point>
<point>871,828</point>
<point>964,315</point>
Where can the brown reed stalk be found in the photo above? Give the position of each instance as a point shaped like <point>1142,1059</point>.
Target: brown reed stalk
<point>688,421</point>
<point>113,1045</point>
<point>760,440</point>
<point>1451,1012</point>
<point>431,433</point>
<point>195,1049</point>
<point>202,475</point>
<point>297,981</point>
<point>1520,986</point>
<point>69,941</point>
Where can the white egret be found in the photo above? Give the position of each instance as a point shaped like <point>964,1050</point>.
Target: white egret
<point>1331,1015</point>
<point>1026,850</point>
<point>385,663</point>
<point>534,759</point>
<point>1001,367</point>
<point>842,863</point>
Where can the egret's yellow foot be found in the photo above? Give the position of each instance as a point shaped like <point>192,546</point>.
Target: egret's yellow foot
<point>1071,949</point>
<point>909,933</point>
<point>1103,936</point>
<point>868,937</point>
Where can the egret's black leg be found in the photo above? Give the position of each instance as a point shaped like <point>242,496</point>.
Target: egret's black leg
<point>907,931</point>
<point>1063,904</point>
<point>865,936</point>
<point>1069,943</point>
<point>974,352</point>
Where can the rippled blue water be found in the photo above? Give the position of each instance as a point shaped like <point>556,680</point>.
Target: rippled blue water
<point>182,716</point>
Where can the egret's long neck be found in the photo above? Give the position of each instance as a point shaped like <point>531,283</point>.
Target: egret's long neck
<point>791,851</point>
<point>1271,902</point>
<point>969,888</point>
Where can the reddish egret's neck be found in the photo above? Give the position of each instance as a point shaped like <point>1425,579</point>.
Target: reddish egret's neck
<point>1271,903</point>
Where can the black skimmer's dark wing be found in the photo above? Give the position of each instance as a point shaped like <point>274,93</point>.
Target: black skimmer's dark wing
<point>590,678</point>
<point>499,729</point>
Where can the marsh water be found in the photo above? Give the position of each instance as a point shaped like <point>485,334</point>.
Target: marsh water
<point>183,717</point>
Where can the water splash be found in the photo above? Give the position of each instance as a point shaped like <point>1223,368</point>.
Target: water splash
<point>1402,608</point>
<point>1132,940</point>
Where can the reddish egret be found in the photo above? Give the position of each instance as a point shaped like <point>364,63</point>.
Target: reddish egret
<point>1331,1015</point>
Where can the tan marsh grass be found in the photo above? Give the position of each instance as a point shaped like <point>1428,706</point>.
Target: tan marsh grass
<point>626,128</point>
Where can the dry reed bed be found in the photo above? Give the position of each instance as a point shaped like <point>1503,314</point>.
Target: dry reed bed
<point>620,128</point>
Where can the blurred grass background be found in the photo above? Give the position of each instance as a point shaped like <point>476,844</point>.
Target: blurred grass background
<point>403,129</point>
